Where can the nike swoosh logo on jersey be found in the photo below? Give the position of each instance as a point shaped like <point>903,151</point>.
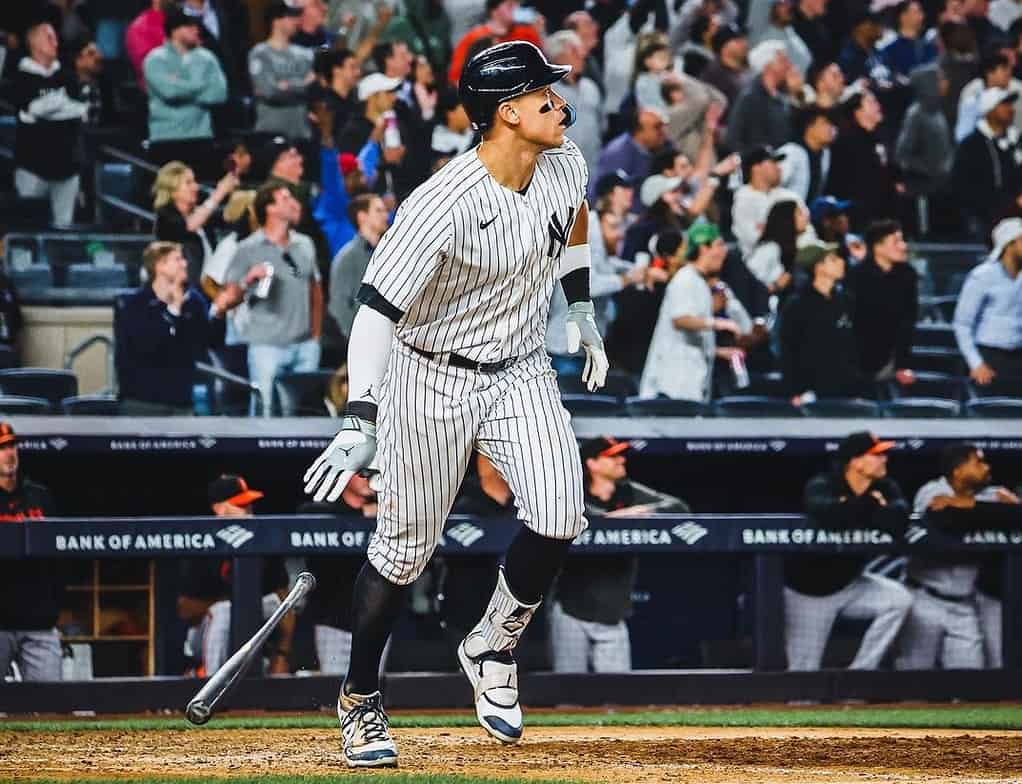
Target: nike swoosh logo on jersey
<point>484,224</point>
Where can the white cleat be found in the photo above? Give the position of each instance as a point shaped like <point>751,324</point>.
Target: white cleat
<point>365,731</point>
<point>494,679</point>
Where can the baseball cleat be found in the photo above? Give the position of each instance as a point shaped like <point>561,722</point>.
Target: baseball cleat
<point>365,731</point>
<point>494,679</point>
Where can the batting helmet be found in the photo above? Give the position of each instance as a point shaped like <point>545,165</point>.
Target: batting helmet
<point>503,72</point>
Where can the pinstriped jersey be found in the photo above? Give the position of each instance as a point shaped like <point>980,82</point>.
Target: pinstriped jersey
<point>472,264</point>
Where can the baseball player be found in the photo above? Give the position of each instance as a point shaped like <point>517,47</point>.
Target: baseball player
<point>446,356</point>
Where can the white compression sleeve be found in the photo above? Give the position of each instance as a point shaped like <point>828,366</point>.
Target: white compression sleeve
<point>369,348</point>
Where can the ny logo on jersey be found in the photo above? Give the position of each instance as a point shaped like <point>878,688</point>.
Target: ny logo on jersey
<point>558,234</point>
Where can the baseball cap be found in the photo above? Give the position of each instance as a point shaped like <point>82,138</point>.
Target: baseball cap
<point>7,435</point>
<point>1004,233</point>
<point>233,490</point>
<point>700,234</point>
<point>812,252</point>
<point>376,83</point>
<point>602,447</point>
<point>825,206</point>
<point>757,155</point>
<point>271,151</point>
<point>655,186</point>
<point>177,18</point>
<point>861,443</point>
<point>992,97</point>
<point>762,55</point>
<point>725,33</point>
<point>612,180</point>
<point>278,9</point>
<point>347,163</point>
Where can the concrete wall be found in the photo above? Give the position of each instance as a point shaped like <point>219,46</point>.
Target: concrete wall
<point>50,333</point>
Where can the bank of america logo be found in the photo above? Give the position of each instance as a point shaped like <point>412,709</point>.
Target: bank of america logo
<point>914,534</point>
<point>234,535</point>
<point>466,534</point>
<point>689,532</point>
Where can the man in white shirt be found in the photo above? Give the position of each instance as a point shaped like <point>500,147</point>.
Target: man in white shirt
<point>762,176</point>
<point>1004,12</point>
<point>680,360</point>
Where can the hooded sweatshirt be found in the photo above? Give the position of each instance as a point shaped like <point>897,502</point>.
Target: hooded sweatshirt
<point>924,150</point>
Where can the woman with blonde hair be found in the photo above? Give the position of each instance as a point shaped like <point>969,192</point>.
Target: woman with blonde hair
<point>179,217</point>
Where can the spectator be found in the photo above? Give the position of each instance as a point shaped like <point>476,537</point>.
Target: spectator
<point>652,70</point>
<point>337,75</point>
<point>452,134</point>
<point>614,193</point>
<point>378,95</point>
<point>987,172</point>
<point>862,170</point>
<point>680,360</point>
<point>587,29</point>
<point>730,346</point>
<point>913,46</point>
<point>183,81</point>
<point>501,26</point>
<point>859,58</point>
<point>885,295</point>
<point>145,33</point>
<point>728,70</point>
<point>425,29</point>
<point>773,258</point>
<point>944,622</point>
<point>566,48</point>
<point>988,316</point>
<point>632,152</point>
<point>810,25</point>
<point>693,122</point>
<point>48,138</point>
<point>281,73</point>
<point>220,23</point>
<point>87,61</point>
<point>761,114</point>
<point>160,331</point>
<point>180,219</point>
<point>819,588</point>
<point>830,220</point>
<point>753,200</point>
<point>781,29</point>
<point>925,150</point>
<point>958,61</point>
<point>205,601</point>
<point>369,216</point>
<point>284,326</point>
<point>726,10</point>
<point>34,588</point>
<point>588,629</point>
<point>818,351</point>
<point>312,33</point>
<point>827,82</point>
<point>696,53</point>
<point>806,162</point>
<point>977,20</point>
<point>995,71</point>
<point>664,211</point>
<point>239,219</point>
<point>1004,13</point>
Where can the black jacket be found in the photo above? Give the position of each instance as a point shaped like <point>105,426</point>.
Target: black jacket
<point>987,175</point>
<point>30,589</point>
<point>884,311</point>
<point>831,504</point>
<point>818,350</point>
<point>861,170</point>
<point>49,120</point>
<point>156,351</point>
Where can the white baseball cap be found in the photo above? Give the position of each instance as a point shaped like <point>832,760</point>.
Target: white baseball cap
<point>655,186</point>
<point>763,54</point>
<point>992,97</point>
<point>376,83</point>
<point>1005,233</point>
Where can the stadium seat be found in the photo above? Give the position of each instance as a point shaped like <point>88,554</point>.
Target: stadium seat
<point>22,404</point>
<point>937,360</point>
<point>954,284</point>
<point>843,407</point>
<point>751,406</point>
<point>931,385</point>
<point>922,408</point>
<point>32,278</point>
<point>226,399</point>
<point>665,406</point>
<point>8,357</point>
<point>934,336</point>
<point>90,405</point>
<point>89,276</point>
<point>301,394</point>
<point>1001,386</point>
<point>995,408</point>
<point>52,385</point>
<point>765,384</point>
<point>938,309</point>
<point>592,405</point>
<point>620,384</point>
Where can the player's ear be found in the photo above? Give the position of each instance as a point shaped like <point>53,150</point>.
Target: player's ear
<point>508,112</point>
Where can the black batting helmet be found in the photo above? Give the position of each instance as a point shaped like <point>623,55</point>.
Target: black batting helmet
<point>503,72</point>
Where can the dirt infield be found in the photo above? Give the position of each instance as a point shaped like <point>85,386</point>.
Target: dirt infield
<point>615,755</point>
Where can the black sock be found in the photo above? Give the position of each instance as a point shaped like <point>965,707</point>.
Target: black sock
<point>532,563</point>
<point>376,605</point>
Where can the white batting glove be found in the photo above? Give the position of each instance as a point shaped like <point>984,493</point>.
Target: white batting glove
<point>351,452</point>
<point>582,331</point>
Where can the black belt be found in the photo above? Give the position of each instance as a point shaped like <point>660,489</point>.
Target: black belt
<point>938,594</point>
<point>464,362</point>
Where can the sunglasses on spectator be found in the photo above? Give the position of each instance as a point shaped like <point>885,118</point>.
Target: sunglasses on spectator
<point>291,264</point>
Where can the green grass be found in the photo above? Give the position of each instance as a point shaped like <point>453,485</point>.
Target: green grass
<point>972,717</point>
<point>376,777</point>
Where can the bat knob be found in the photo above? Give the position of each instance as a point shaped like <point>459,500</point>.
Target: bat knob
<point>197,712</point>
<point>309,579</point>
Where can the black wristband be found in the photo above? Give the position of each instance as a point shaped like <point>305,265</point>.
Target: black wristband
<point>576,285</point>
<point>362,409</point>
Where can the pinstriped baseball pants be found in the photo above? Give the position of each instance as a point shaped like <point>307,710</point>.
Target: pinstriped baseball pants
<point>432,416</point>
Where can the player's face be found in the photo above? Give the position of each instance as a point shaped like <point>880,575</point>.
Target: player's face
<point>976,470</point>
<point>8,461</point>
<point>227,509</point>
<point>540,117</point>
<point>873,466</point>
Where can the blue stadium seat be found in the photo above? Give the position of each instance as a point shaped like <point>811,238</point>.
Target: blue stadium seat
<point>931,385</point>
<point>922,408</point>
<point>226,399</point>
<point>751,406</point>
<point>1001,386</point>
<point>23,404</point>
<point>32,277</point>
<point>995,408</point>
<point>937,360</point>
<point>765,384</point>
<point>934,336</point>
<point>301,394</point>
<point>843,408</point>
<point>89,276</point>
<point>52,385</point>
<point>90,405</point>
<point>592,405</point>
<point>665,406</point>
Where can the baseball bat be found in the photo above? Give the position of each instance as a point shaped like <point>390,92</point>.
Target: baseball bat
<point>200,708</point>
